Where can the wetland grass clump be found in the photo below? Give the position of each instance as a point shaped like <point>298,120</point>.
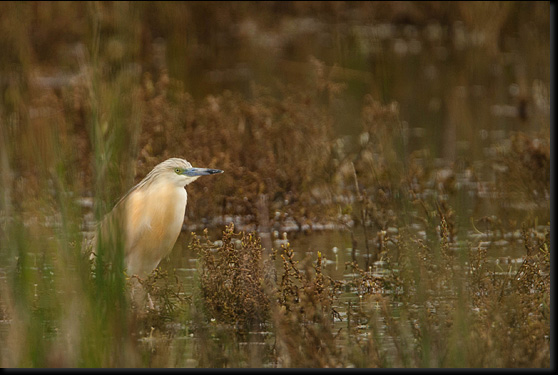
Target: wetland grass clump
<point>306,309</point>
<point>232,280</point>
<point>231,308</point>
<point>240,295</point>
<point>451,310</point>
<point>513,304</point>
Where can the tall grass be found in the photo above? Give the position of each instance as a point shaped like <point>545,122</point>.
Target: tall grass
<point>61,314</point>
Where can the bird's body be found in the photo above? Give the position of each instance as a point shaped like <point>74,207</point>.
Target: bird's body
<point>154,219</point>
<point>151,214</point>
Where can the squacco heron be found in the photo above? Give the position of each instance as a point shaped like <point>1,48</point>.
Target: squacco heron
<point>151,214</point>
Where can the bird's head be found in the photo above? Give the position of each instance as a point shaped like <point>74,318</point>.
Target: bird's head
<point>180,172</point>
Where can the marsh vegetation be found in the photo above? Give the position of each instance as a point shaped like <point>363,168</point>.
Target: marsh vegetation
<point>385,201</point>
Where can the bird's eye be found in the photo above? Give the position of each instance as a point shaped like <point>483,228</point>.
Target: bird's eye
<point>177,170</point>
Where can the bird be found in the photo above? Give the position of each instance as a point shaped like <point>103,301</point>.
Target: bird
<point>150,215</point>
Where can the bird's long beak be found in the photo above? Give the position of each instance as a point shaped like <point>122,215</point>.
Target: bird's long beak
<point>193,172</point>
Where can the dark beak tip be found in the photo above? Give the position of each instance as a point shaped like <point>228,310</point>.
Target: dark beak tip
<point>209,172</point>
<point>196,172</point>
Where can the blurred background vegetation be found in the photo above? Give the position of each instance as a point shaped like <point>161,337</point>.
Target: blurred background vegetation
<point>420,131</point>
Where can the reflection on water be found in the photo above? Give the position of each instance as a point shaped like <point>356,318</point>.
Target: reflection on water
<point>456,89</point>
